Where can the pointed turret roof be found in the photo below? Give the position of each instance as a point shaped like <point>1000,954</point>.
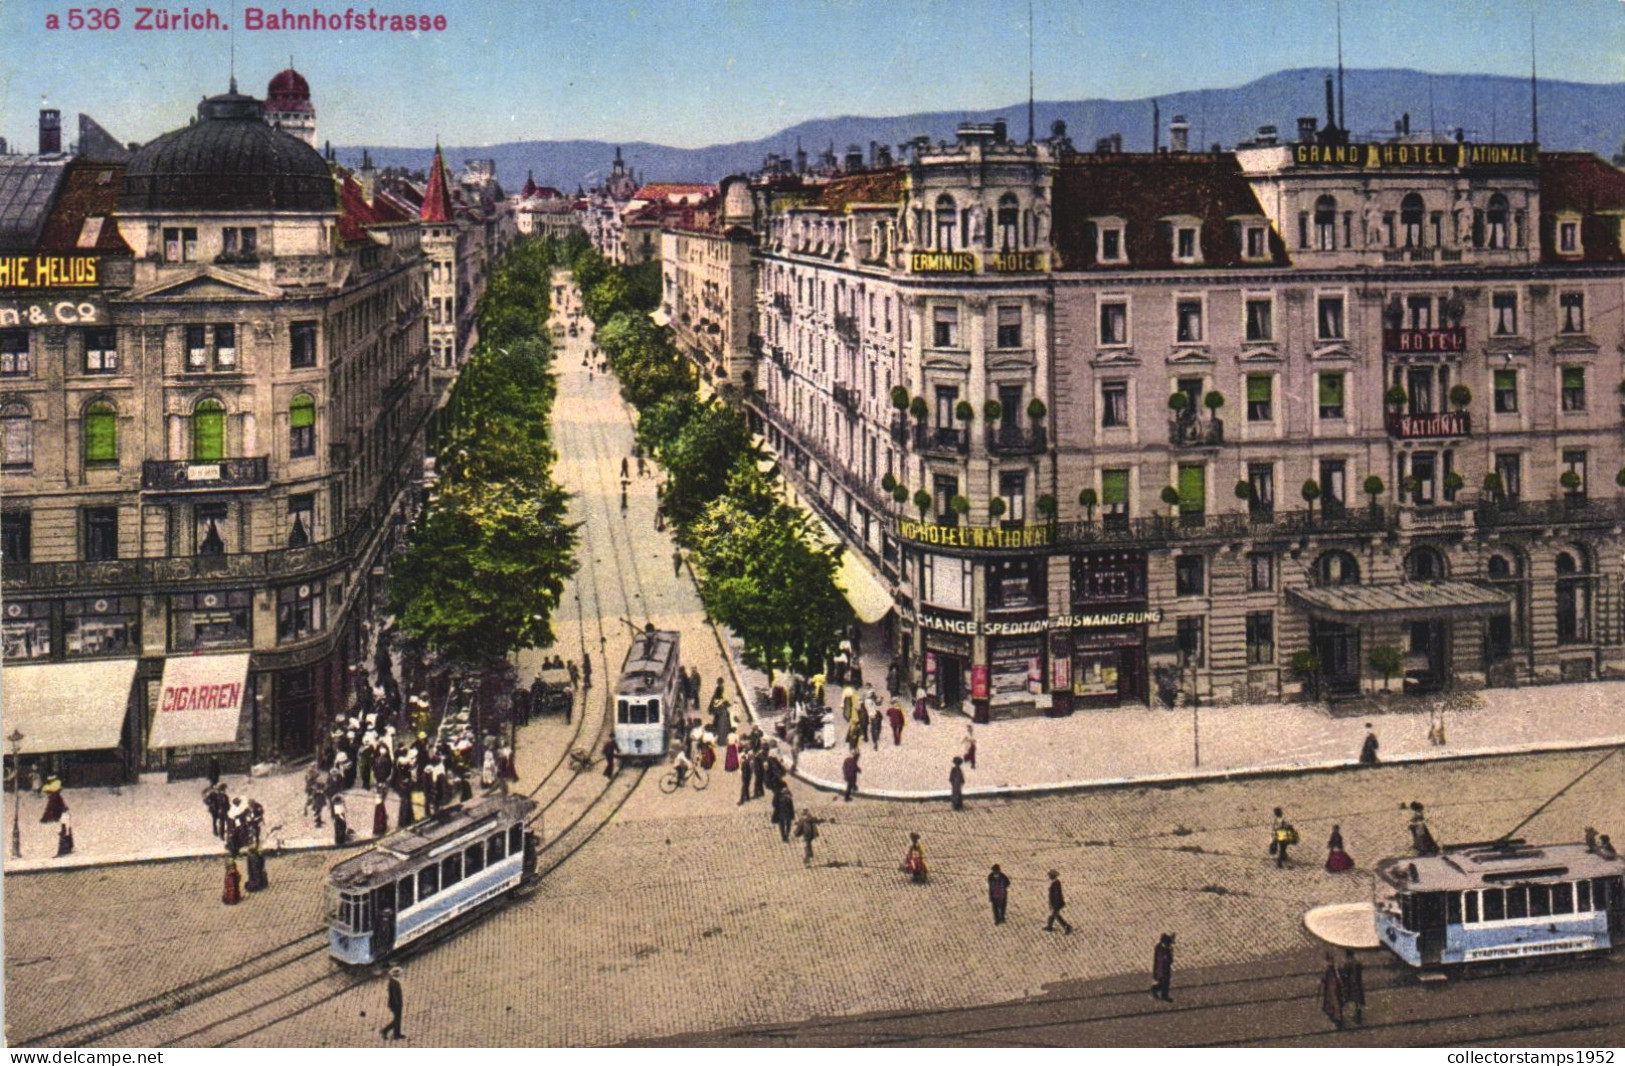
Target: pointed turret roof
<point>437,200</point>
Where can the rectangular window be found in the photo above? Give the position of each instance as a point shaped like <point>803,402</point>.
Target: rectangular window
<point>16,536</point>
<point>1014,583</point>
<point>1495,905</point>
<point>405,893</point>
<point>1192,490</point>
<point>1260,638</point>
<point>1506,392</point>
<point>1189,321</point>
<point>1190,575</point>
<point>1261,489</point>
<point>494,851</point>
<point>239,242</point>
<point>1257,247</point>
<point>209,528</point>
<point>17,437</point>
<point>100,533</point>
<point>1188,639</point>
<point>1573,305</point>
<point>180,244</point>
<point>1260,571</point>
<point>211,620</point>
<point>1111,245</point>
<point>428,881</point>
<point>1114,495</point>
<point>15,360</point>
<point>1329,318</point>
<point>225,347</point>
<point>1574,388</point>
<point>1470,907</point>
<point>300,611</point>
<point>1260,320</point>
<point>1574,462</point>
<point>25,630</point>
<point>1517,902</point>
<point>197,347</point>
<point>301,519</point>
<point>1009,327</point>
<point>1114,404</point>
<point>1185,244</point>
<point>451,870</point>
<point>1259,405</point>
<point>101,351</point>
<point>474,859</point>
<point>1013,489</point>
<point>1568,238</point>
<point>1582,897</point>
<point>302,346</point>
<point>1114,323</point>
<point>103,625</point>
<point>1419,312</point>
<point>302,429</point>
<point>1504,314</point>
<point>1563,898</point>
<point>1331,396</point>
<point>1509,468</point>
<point>945,327</point>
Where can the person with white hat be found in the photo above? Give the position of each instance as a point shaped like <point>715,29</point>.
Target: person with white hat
<point>392,1031</point>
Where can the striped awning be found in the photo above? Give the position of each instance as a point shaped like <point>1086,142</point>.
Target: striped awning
<point>1404,602</point>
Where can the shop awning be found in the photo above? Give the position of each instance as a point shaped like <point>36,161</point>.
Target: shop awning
<point>660,318</point>
<point>76,706</point>
<point>1411,601</point>
<point>201,701</point>
<point>869,598</point>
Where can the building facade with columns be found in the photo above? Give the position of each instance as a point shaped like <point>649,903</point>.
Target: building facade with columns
<point>708,281</point>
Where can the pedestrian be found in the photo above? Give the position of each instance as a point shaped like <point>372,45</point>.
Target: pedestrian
<point>914,860</point>
<point>1351,978</point>
<point>730,755</point>
<point>1337,860</point>
<point>488,770</point>
<point>861,725</point>
<point>625,468</point>
<point>380,813</point>
<point>1282,836</point>
<point>956,783</point>
<point>877,725</point>
<point>1422,841</point>
<point>640,463</point>
<point>392,1031</point>
<point>1331,992</point>
<point>214,797</point>
<point>64,835</point>
<point>1057,903</point>
<point>55,805</point>
<point>1368,750</point>
<point>922,713</point>
<point>405,814</point>
<point>746,766</point>
<point>894,715</point>
<point>677,562</point>
<point>761,772</point>
<point>341,826</point>
<point>849,773</point>
<point>612,751</point>
<point>232,894</point>
<point>807,831</point>
<point>970,746</point>
<point>998,892</point>
<point>586,670</point>
<point>1162,968</point>
<point>257,881</point>
<point>784,813</point>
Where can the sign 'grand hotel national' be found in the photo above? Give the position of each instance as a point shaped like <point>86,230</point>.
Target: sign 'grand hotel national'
<point>1373,156</point>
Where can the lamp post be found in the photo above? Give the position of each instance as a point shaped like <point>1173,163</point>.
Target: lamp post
<point>1188,659</point>
<point>16,742</point>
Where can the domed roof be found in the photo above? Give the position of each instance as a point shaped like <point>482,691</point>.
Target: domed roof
<point>289,91</point>
<point>228,160</point>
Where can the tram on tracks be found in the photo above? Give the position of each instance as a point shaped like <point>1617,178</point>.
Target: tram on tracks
<point>1475,905</point>
<point>422,879</point>
<point>647,694</point>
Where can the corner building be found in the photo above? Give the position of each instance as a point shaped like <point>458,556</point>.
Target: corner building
<point>1293,405</point>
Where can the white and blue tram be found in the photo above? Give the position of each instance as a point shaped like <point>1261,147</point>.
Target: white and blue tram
<point>646,697</point>
<point>419,879</point>
<point>1496,902</point>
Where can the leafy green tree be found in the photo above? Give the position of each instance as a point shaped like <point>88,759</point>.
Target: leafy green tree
<point>700,458</point>
<point>1387,660</point>
<point>662,421</point>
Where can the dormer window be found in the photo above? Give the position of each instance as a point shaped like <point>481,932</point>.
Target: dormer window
<point>1109,243</point>
<point>1257,247</point>
<point>239,242</point>
<point>1186,233</point>
<point>1568,235</point>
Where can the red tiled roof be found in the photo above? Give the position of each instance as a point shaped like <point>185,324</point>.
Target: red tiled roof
<point>671,190</point>
<point>1581,183</point>
<point>437,200</point>
<point>357,215</point>
<point>1143,189</point>
<point>88,190</point>
<point>870,187</point>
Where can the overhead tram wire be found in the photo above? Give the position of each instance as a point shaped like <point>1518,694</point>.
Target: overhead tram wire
<point>1558,795</point>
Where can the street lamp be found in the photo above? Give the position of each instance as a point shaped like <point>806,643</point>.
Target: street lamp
<point>16,741</point>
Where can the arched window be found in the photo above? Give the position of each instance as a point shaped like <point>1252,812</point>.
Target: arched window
<point>1496,217</point>
<point>1573,598</point>
<point>1326,223</point>
<point>1424,564</point>
<point>302,426</point>
<point>1499,568</point>
<point>947,219</point>
<point>16,436</point>
<point>209,431</point>
<point>1411,212</point>
<point>1009,221</point>
<point>1337,568</point>
<point>101,433</point>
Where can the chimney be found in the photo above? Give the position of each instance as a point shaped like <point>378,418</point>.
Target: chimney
<point>367,176</point>
<point>1331,108</point>
<point>50,131</point>
<point>1268,136</point>
<point>1117,143</point>
<point>1406,122</point>
<point>854,159</point>
<point>1156,128</point>
<point>999,131</point>
<point>1103,146</point>
<point>884,158</point>
<point>1179,134</point>
<point>874,153</point>
<point>1306,129</point>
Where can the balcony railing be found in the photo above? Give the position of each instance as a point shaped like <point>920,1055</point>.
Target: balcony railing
<point>1189,526</point>
<point>1195,432</point>
<point>847,397</point>
<point>781,304</point>
<point>1013,440</point>
<point>1436,424</point>
<point>846,328</point>
<point>941,441</point>
<point>177,475</point>
<point>899,431</point>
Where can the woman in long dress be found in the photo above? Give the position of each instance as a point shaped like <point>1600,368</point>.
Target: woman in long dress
<point>914,861</point>
<point>233,892</point>
<point>1337,860</point>
<point>257,881</point>
<point>55,805</point>
<point>380,814</point>
<point>970,746</point>
<point>64,835</point>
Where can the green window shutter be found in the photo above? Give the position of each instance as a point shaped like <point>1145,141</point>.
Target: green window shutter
<point>101,434</point>
<point>1258,388</point>
<point>1574,377</point>
<point>1506,380</point>
<point>208,432</point>
<point>1331,390</point>
<point>1113,487</point>
<point>1192,488</point>
<point>302,412</point>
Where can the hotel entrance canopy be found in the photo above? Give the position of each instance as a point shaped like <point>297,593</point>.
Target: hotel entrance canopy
<point>1411,601</point>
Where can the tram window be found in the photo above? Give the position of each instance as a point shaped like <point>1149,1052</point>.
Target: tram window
<point>1452,912</point>
<point>404,893</point>
<point>428,881</point>
<point>474,860</point>
<point>451,870</point>
<point>1471,899</point>
<point>621,713</point>
<point>1540,901</point>
<point>1582,897</point>
<point>1563,899</point>
<point>363,915</point>
<point>516,839</point>
<point>654,712</point>
<point>1495,905</point>
<point>493,850</point>
<point>346,912</point>
<point>1407,912</point>
<point>1517,902</point>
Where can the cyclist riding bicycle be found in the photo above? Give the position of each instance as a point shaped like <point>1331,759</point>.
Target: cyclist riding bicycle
<point>683,764</point>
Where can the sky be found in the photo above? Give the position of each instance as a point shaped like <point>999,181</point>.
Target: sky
<point>695,72</point>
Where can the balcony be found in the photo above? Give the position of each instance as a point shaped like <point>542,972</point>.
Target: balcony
<point>182,475</point>
<point>847,397</point>
<point>1434,424</point>
<point>933,440</point>
<point>899,431</point>
<point>846,328</point>
<point>1195,432</point>
<point>1013,440</point>
<point>781,304</point>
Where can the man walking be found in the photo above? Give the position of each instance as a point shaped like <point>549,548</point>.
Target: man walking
<point>1331,992</point>
<point>677,563</point>
<point>807,830</point>
<point>956,782</point>
<point>392,1031</point>
<point>1057,903</point>
<point>747,763</point>
<point>894,715</point>
<point>998,892</point>
<point>877,725</point>
<point>784,812</point>
<point>1351,977</point>
<point>612,750</point>
<point>1162,968</point>
<point>1368,750</point>
<point>1280,838</point>
<point>849,772</point>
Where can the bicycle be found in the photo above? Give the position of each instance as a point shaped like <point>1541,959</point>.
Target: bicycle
<point>696,777</point>
<point>581,760</point>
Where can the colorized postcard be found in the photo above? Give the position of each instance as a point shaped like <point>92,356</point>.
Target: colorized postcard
<point>994,523</point>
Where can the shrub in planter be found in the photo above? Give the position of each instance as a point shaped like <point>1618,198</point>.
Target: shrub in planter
<point>1036,410</point>
<point>964,411</point>
<point>900,494</point>
<point>1244,491</point>
<point>922,500</point>
<point>995,508</point>
<point>1213,401</point>
<point>1387,660</point>
<point>1170,496</point>
<point>1492,484</point>
<point>993,410</point>
<point>888,482</point>
<point>1460,396</point>
<point>1453,483</point>
<point>1178,402</point>
<point>918,408</point>
<point>899,397</point>
<point>1570,481</point>
<point>1373,487</point>
<point>959,505</point>
<point>1046,505</point>
<point>1396,396</point>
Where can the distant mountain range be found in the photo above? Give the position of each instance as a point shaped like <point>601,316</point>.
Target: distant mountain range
<point>1573,116</point>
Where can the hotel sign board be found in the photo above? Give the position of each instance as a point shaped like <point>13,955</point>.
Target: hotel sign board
<point>970,263</point>
<point>969,627</point>
<point>942,262</point>
<point>1410,341</point>
<point>50,271</point>
<point>1411,156</point>
<point>973,536</point>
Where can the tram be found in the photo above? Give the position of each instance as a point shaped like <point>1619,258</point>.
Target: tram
<point>646,696</point>
<point>450,866</point>
<point>1479,904</point>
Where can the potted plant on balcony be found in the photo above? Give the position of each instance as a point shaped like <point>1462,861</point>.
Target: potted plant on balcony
<point>1571,483</point>
<point>1373,488</point>
<point>1170,496</point>
<point>1215,430</point>
<point>1493,488</point>
<point>1179,404</point>
<point>900,494</point>
<point>958,506</point>
<point>1089,499</point>
<point>1460,396</point>
<point>899,398</point>
<point>888,483</point>
<point>1453,483</point>
<point>918,408</point>
<point>1396,396</point>
<point>1310,493</point>
<point>1046,507</point>
<point>993,411</point>
<point>1036,411</point>
<point>1413,489</point>
<point>964,411</point>
<point>922,500</point>
<point>996,508</point>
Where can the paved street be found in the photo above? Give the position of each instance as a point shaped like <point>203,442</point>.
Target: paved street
<point>686,914</point>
